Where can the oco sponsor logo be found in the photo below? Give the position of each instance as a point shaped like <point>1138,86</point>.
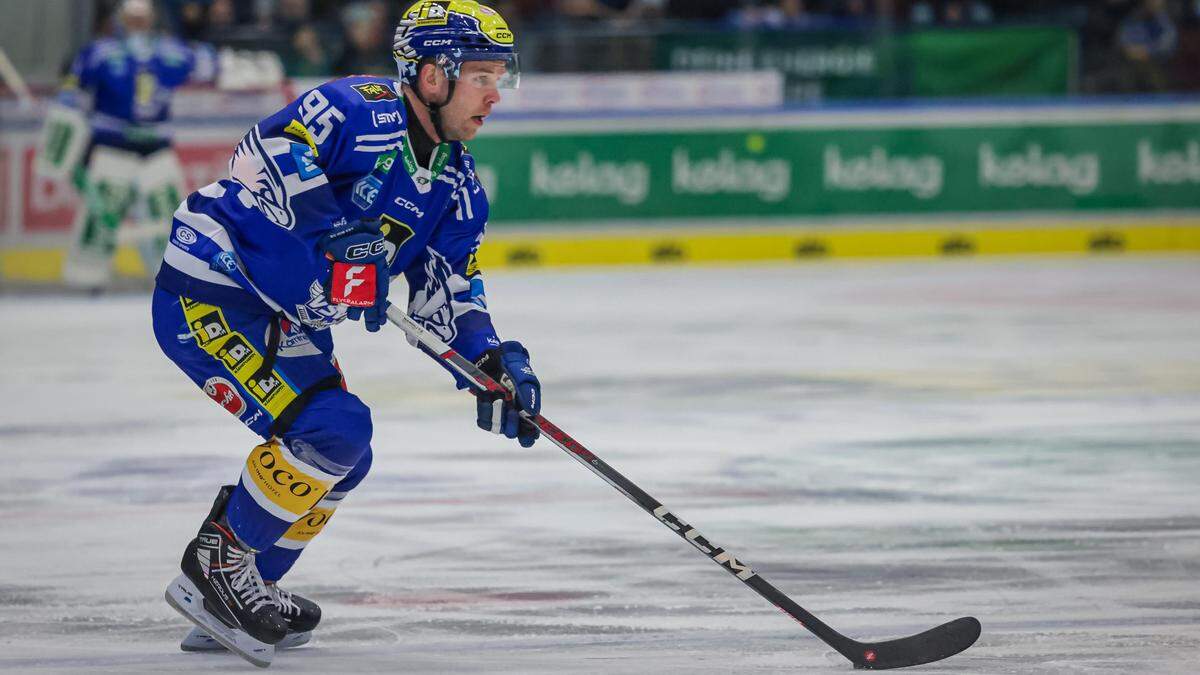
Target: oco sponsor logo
<point>296,485</point>
<point>223,392</point>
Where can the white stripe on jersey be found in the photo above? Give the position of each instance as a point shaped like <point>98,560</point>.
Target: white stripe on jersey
<point>376,148</point>
<point>194,267</point>
<point>380,137</point>
<point>212,229</point>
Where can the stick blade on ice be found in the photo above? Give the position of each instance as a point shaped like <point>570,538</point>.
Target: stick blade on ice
<point>934,644</point>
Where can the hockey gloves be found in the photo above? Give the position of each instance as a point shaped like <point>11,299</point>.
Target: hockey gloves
<point>359,275</point>
<point>509,365</point>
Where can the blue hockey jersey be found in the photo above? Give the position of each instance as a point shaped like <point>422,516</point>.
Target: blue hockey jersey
<point>339,153</point>
<point>126,87</point>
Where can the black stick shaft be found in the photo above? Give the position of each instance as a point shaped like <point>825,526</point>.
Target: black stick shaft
<point>483,382</point>
<point>932,645</point>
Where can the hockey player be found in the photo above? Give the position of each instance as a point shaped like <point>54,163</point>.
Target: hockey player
<point>117,96</point>
<point>357,181</point>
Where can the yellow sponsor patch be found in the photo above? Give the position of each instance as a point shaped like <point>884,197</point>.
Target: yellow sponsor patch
<point>472,265</point>
<point>290,488</point>
<point>310,525</point>
<point>298,130</point>
<point>212,333</point>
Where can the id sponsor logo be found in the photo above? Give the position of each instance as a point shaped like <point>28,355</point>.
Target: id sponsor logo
<point>225,394</point>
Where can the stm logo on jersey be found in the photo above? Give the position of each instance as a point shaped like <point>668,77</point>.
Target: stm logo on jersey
<point>374,92</point>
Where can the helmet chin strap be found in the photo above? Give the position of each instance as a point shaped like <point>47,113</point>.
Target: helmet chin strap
<point>435,109</point>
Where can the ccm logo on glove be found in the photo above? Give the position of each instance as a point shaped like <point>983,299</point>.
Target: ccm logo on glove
<point>366,250</point>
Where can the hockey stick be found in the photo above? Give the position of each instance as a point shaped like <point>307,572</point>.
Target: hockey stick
<point>934,644</point>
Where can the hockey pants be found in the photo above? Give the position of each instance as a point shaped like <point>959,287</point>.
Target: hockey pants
<point>269,374</point>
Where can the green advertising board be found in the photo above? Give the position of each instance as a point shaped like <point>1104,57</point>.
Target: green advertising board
<point>768,169</point>
<point>838,65</point>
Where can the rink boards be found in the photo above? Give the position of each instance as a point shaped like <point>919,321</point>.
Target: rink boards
<point>672,246</point>
<point>784,185</point>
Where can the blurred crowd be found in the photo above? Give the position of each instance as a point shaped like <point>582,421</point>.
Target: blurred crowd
<point>1128,45</point>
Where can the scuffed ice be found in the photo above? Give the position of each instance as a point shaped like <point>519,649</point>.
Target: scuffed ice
<point>892,444</point>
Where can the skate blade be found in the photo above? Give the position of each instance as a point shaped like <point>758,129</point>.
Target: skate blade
<point>199,641</point>
<point>186,599</point>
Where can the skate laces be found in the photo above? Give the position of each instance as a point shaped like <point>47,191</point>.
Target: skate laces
<point>245,580</point>
<point>283,600</point>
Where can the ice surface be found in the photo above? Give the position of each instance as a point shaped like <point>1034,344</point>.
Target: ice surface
<point>891,444</point>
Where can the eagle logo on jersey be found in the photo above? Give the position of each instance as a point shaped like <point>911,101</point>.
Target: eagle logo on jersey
<point>317,312</point>
<point>253,168</point>
<point>445,297</point>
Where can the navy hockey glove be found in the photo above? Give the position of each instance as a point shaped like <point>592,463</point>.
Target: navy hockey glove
<point>508,364</point>
<point>359,274</point>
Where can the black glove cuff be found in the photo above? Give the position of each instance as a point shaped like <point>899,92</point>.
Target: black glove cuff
<point>490,363</point>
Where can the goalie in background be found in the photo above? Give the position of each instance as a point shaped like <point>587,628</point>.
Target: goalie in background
<point>105,133</point>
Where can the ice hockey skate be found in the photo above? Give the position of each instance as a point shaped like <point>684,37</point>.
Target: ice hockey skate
<point>302,616</point>
<point>221,592</point>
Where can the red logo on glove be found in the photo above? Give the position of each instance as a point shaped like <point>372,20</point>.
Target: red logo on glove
<point>353,285</point>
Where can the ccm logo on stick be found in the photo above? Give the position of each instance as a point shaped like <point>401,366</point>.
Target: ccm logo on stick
<point>718,554</point>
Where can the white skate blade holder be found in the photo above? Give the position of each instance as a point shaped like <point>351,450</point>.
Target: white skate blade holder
<point>198,641</point>
<point>183,595</point>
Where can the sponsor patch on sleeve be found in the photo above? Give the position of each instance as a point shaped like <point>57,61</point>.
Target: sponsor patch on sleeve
<point>374,92</point>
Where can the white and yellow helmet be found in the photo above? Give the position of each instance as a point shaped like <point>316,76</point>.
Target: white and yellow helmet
<point>451,32</point>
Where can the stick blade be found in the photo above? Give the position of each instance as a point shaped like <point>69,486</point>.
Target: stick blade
<point>934,644</point>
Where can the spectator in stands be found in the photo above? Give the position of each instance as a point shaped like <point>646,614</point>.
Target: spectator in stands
<point>950,12</point>
<point>618,11</point>
<point>291,15</point>
<point>700,10</point>
<point>768,14</point>
<point>368,40</point>
<point>306,55</point>
<point>1147,39</point>
<point>522,13</point>
<point>221,17</point>
<point>187,18</point>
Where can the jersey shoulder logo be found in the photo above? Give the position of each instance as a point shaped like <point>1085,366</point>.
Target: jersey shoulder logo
<point>375,92</point>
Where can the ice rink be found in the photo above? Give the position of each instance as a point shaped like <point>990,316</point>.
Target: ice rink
<point>892,444</point>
